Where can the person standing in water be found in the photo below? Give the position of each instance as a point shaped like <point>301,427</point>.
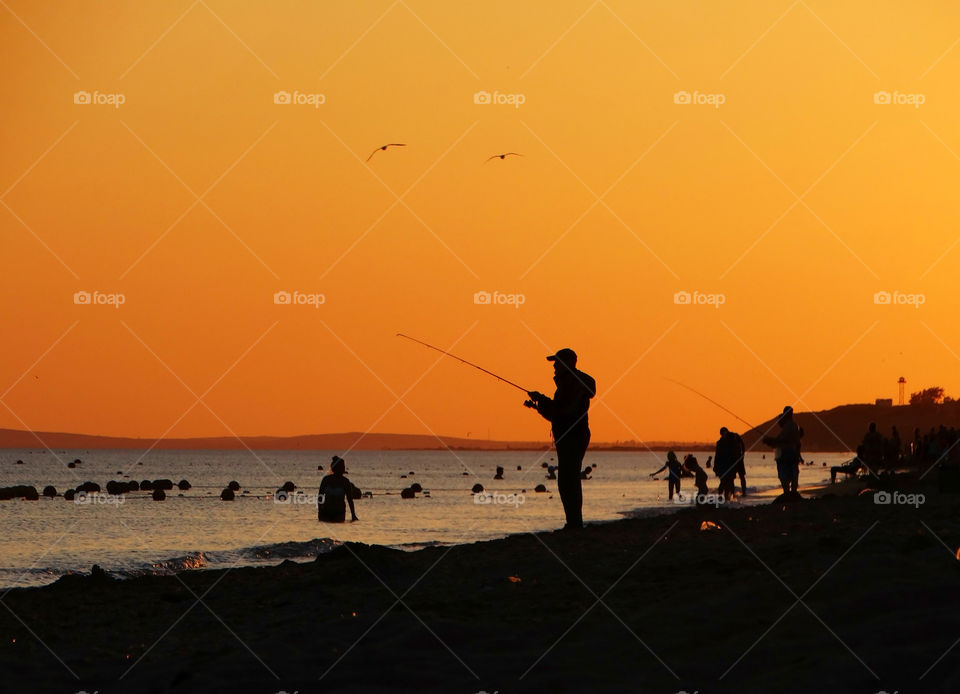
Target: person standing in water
<point>787,445</point>
<point>699,476</point>
<point>728,463</point>
<point>673,477</point>
<point>336,492</point>
<point>567,413</point>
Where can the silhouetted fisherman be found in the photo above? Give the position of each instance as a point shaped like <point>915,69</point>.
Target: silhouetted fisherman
<point>675,469</point>
<point>336,492</point>
<point>567,414</point>
<point>787,445</point>
<point>728,462</point>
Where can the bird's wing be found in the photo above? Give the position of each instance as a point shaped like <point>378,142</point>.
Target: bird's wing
<point>397,144</point>
<point>495,156</point>
<point>372,153</point>
<point>516,154</point>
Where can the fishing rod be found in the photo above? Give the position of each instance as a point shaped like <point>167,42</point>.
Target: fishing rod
<point>464,361</point>
<point>711,400</point>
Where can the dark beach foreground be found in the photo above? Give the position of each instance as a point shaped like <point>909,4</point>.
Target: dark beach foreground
<point>833,594</point>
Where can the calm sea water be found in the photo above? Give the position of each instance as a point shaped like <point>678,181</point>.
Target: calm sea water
<point>45,539</point>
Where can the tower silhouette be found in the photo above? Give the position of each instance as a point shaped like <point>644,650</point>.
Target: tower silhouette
<point>902,382</point>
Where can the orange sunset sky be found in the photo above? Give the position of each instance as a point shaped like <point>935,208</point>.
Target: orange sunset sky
<point>797,199</point>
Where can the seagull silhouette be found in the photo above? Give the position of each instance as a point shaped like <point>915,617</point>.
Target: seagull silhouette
<point>384,148</point>
<point>504,155</point>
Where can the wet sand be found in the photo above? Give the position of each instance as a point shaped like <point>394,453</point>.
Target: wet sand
<point>683,609</point>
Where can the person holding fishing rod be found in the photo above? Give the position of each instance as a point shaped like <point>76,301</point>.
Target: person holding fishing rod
<point>567,413</point>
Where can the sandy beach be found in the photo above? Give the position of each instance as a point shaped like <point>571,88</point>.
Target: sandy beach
<point>683,606</point>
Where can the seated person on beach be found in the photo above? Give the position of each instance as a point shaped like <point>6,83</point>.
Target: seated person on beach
<point>336,492</point>
<point>673,478</point>
<point>850,469</point>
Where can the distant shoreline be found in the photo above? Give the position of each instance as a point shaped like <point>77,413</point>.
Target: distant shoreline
<point>29,440</point>
<point>826,431</point>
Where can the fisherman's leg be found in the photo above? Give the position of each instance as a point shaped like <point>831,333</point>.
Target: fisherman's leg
<point>563,486</point>
<point>783,476</point>
<point>575,464</point>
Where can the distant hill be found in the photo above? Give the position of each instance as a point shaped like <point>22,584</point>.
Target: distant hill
<point>843,427</point>
<point>13,438</point>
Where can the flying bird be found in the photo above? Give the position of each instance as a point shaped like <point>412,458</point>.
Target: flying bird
<point>384,148</point>
<point>504,156</point>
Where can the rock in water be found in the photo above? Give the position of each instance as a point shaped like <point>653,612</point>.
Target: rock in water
<point>159,495</point>
<point>226,495</point>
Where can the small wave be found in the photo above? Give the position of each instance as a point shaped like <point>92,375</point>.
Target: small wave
<point>289,550</point>
<point>192,560</point>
